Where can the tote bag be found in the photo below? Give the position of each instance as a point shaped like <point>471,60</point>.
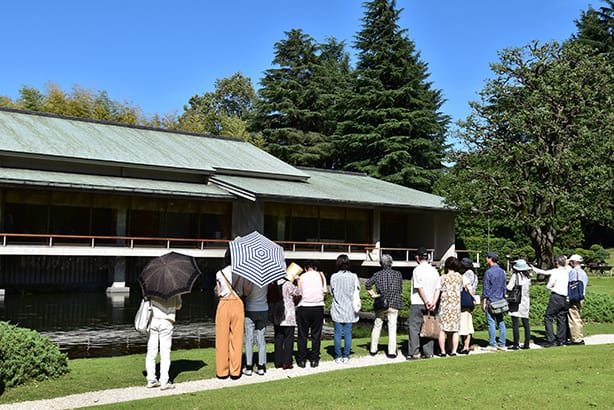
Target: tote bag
<point>431,326</point>
<point>142,320</point>
<point>356,302</point>
<point>575,290</point>
<point>514,296</point>
<point>467,300</point>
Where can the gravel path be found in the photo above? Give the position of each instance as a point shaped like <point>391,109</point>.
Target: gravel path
<point>140,392</point>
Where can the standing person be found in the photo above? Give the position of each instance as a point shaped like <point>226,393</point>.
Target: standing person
<point>310,314</point>
<point>161,337</point>
<point>425,289</point>
<point>229,323</point>
<point>494,290</point>
<point>574,315</point>
<point>520,273</point>
<point>557,305</point>
<point>389,284</point>
<point>256,314</point>
<point>450,307</point>
<point>470,283</point>
<point>342,286</point>
<point>284,319</point>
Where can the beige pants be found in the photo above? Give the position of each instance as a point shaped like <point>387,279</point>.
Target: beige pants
<point>574,319</point>
<point>229,322</point>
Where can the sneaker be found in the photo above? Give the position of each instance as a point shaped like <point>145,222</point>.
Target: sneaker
<point>248,371</point>
<point>490,348</point>
<point>152,384</point>
<point>414,357</point>
<point>167,386</point>
<point>315,363</point>
<point>338,360</point>
<point>301,364</point>
<point>261,370</point>
<point>345,360</point>
<point>501,348</point>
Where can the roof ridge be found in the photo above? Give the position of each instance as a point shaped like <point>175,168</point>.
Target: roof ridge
<point>117,124</point>
<point>334,171</point>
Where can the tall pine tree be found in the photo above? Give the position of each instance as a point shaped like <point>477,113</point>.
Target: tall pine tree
<point>596,29</point>
<point>392,127</point>
<point>295,109</point>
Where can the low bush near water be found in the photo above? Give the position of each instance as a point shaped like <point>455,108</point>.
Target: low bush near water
<point>26,355</point>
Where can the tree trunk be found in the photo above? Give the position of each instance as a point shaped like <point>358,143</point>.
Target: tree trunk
<point>542,240</point>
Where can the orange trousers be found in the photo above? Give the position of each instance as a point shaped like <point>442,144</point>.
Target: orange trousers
<point>229,319</point>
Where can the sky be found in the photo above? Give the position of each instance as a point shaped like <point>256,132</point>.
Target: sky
<point>157,54</point>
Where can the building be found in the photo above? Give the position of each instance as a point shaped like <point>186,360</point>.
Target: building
<point>81,201</point>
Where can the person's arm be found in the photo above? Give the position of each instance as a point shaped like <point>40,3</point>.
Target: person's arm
<point>512,282</point>
<point>178,302</point>
<point>247,287</point>
<point>435,299</point>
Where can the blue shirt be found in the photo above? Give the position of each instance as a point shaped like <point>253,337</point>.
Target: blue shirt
<point>494,284</point>
<point>578,273</point>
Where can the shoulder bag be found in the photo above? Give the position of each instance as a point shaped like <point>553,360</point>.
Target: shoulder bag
<point>499,306</point>
<point>514,296</point>
<point>380,303</point>
<point>142,320</point>
<point>575,290</point>
<point>467,300</point>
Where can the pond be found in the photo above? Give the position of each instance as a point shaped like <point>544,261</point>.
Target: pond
<point>93,324</point>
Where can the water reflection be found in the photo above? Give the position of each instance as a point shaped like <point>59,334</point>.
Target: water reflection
<point>95,324</point>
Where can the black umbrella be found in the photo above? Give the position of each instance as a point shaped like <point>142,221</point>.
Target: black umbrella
<point>169,275</point>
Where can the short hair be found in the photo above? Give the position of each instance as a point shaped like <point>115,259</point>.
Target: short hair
<point>451,263</point>
<point>385,261</point>
<point>343,262</point>
<point>561,260</point>
<point>311,264</point>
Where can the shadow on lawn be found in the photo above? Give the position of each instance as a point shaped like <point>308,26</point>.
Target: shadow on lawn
<point>180,366</point>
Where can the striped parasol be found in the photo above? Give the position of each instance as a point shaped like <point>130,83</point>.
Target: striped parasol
<point>257,259</point>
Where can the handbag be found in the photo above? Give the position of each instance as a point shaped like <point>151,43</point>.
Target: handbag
<point>431,327</point>
<point>499,306</point>
<point>143,316</point>
<point>356,302</point>
<point>467,300</point>
<point>380,303</point>
<point>514,296</point>
<point>575,290</point>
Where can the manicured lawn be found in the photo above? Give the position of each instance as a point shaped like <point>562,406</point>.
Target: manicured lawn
<point>105,373</point>
<point>601,284</point>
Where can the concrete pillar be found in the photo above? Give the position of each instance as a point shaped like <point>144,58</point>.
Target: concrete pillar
<point>119,271</point>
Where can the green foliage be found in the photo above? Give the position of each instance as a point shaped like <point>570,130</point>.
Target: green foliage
<point>539,144</point>
<point>596,28</point>
<point>391,126</point>
<point>26,355</point>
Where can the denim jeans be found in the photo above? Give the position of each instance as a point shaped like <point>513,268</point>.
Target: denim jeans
<point>344,329</point>
<point>255,324</point>
<point>492,321</point>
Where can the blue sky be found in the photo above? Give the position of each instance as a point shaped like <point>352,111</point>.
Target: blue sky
<point>157,54</point>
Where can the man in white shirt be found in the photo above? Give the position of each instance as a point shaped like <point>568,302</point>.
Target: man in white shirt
<point>557,305</point>
<point>425,288</point>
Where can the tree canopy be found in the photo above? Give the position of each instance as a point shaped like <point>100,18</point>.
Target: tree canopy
<point>539,145</point>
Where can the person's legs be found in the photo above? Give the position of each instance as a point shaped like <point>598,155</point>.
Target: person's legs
<point>317,320</point>
<point>527,332</point>
<point>288,345</point>
<point>279,346</point>
<point>549,319</point>
<point>392,331</point>
<point>347,339</point>
<point>492,329</point>
<point>377,330</point>
<point>574,316</point>
<point>502,330</point>
<point>166,341</point>
<point>152,353</point>
<point>260,332</point>
<point>237,320</point>
<point>515,330</point>
<point>442,342</point>
<point>302,334</point>
<point>249,339</point>
<point>561,323</point>
<point>222,338</point>
<point>415,323</point>
<point>337,339</point>
<point>454,340</point>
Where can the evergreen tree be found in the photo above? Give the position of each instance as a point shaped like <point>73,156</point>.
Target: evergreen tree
<point>596,29</point>
<point>295,111</point>
<point>392,127</point>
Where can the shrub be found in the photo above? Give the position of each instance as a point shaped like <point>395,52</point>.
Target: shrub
<point>26,355</point>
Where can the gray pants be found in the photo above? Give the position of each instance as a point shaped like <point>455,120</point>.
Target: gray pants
<point>255,324</point>
<point>416,313</point>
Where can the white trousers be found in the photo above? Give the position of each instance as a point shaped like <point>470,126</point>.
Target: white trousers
<point>160,338</point>
<point>391,316</point>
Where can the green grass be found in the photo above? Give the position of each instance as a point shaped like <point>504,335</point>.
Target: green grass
<point>601,284</point>
<point>197,364</point>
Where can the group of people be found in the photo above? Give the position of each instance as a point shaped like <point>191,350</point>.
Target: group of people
<point>298,302</point>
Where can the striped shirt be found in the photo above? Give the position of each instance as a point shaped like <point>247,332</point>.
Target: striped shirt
<point>389,283</point>
<point>342,285</point>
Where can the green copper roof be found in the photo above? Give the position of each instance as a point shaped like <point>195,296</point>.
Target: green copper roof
<point>29,177</point>
<point>68,139</point>
<point>334,187</point>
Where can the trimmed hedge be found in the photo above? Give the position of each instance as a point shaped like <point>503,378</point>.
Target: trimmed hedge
<point>26,355</point>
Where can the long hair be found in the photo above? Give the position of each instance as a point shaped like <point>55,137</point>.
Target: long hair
<point>343,262</point>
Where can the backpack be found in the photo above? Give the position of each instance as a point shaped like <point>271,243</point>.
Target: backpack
<point>274,293</point>
<point>143,316</point>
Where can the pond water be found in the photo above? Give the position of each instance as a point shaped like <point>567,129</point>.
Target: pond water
<point>93,324</point>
